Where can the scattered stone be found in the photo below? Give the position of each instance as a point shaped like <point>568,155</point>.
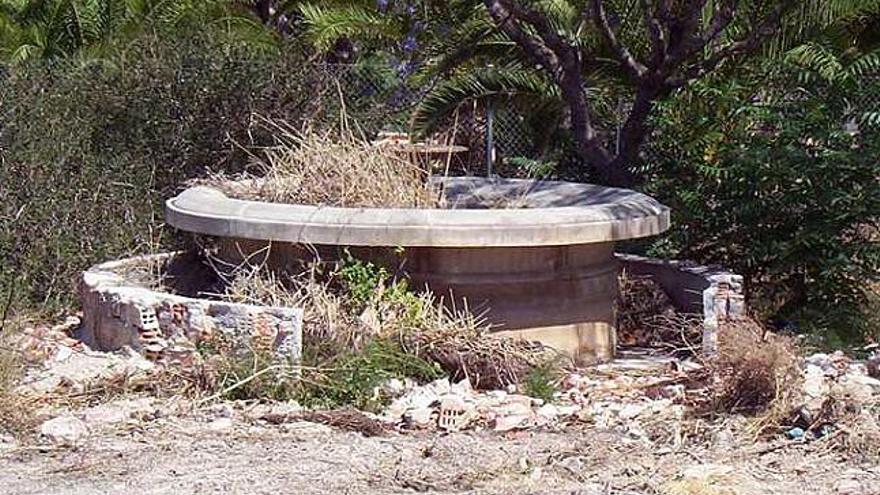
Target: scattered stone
<point>119,411</point>
<point>78,368</point>
<point>512,422</point>
<point>548,412</point>
<point>607,398</point>
<point>872,365</point>
<point>631,411</point>
<point>221,424</point>
<point>420,417</point>
<point>396,387</point>
<point>868,385</point>
<point>66,430</point>
<point>7,442</point>
<point>455,413</point>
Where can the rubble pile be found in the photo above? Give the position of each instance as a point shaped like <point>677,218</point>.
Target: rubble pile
<point>61,363</point>
<point>836,386</point>
<point>603,396</point>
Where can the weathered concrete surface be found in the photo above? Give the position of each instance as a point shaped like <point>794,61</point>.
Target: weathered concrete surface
<point>540,214</point>
<point>164,326</point>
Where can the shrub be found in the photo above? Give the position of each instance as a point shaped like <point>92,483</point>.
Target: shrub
<point>755,373</point>
<point>781,186</point>
<point>90,150</point>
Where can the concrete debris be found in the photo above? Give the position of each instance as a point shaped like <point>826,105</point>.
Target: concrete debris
<point>66,430</point>
<point>835,376</point>
<point>872,365</point>
<point>7,442</point>
<point>44,343</point>
<point>60,363</point>
<point>394,388</point>
<point>606,399</point>
<point>76,369</point>
<point>221,425</point>
<point>120,411</point>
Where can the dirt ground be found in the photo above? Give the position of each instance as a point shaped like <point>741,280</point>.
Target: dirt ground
<point>194,452</point>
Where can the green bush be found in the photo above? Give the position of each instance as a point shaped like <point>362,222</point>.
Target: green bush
<point>90,150</point>
<point>782,187</point>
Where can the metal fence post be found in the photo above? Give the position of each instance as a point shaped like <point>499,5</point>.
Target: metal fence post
<point>490,138</point>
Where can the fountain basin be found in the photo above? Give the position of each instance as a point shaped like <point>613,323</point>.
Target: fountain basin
<point>534,258</point>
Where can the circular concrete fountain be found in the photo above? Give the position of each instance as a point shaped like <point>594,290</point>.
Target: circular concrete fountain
<point>535,258</point>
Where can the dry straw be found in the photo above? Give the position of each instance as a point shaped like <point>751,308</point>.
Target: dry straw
<point>332,168</point>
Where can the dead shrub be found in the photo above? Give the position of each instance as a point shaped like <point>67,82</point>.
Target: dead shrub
<point>332,168</point>
<point>348,419</point>
<point>754,373</point>
<point>355,303</point>
<point>468,351</point>
<point>857,429</point>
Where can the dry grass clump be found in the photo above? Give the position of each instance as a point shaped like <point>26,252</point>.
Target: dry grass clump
<point>17,413</point>
<point>353,304</point>
<point>328,325</point>
<point>467,351</point>
<point>755,373</point>
<point>852,425</point>
<point>321,167</point>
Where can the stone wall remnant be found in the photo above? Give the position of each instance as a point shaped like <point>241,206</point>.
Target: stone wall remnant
<point>169,327</point>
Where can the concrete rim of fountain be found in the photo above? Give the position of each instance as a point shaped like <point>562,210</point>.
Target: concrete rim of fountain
<point>550,213</point>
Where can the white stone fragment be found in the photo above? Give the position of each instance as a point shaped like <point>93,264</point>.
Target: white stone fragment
<point>66,430</point>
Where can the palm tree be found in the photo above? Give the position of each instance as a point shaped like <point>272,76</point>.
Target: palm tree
<point>42,29</point>
<point>646,49</point>
<point>640,51</point>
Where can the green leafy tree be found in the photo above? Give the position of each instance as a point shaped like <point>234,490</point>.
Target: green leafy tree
<point>574,61</point>
<point>771,174</point>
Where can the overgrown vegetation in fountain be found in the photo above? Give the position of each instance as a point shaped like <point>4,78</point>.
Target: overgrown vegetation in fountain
<point>330,167</point>
<point>362,327</point>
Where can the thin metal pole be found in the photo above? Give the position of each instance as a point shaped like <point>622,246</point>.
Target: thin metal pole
<point>490,138</point>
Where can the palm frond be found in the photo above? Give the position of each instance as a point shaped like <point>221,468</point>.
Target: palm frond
<point>326,24</point>
<point>518,86</point>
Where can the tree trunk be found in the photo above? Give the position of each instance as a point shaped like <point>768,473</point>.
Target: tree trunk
<point>589,145</point>
<point>634,132</point>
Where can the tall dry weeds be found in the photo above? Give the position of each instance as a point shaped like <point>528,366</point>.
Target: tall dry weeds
<point>333,168</point>
<point>328,325</point>
<point>16,411</point>
<point>336,323</point>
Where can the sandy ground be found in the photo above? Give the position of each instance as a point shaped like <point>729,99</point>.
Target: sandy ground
<point>192,453</point>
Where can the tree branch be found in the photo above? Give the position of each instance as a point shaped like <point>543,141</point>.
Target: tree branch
<point>654,24</point>
<point>633,67</point>
<point>720,20</point>
<point>563,61</point>
<point>758,35</point>
<point>535,48</point>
